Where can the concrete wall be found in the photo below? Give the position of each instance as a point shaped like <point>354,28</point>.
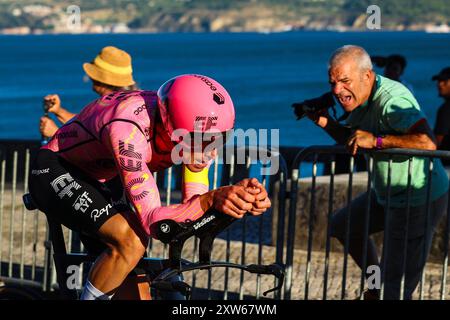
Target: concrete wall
<point>320,218</point>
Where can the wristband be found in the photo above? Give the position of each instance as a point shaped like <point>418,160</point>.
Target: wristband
<point>379,144</point>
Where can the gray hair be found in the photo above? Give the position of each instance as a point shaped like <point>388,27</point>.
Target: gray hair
<point>357,53</point>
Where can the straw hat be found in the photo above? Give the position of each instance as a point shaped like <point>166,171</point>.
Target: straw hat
<point>112,66</point>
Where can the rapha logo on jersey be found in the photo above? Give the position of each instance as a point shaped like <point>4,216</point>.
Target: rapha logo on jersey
<point>82,202</point>
<point>218,98</point>
<point>140,109</point>
<point>96,213</point>
<point>207,81</point>
<point>203,222</point>
<point>40,171</point>
<point>118,203</point>
<point>64,184</point>
<point>165,228</point>
<point>205,123</point>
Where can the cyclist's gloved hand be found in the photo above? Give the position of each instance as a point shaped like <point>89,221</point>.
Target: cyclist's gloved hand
<point>256,188</point>
<point>234,200</point>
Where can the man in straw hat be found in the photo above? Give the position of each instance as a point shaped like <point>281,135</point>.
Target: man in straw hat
<point>110,71</point>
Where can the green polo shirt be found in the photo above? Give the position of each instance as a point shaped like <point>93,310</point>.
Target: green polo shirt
<point>393,110</point>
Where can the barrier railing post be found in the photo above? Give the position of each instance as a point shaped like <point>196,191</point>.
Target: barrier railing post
<point>214,186</point>
<point>426,227</point>
<point>366,226</point>
<point>386,228</point>
<point>328,239</point>
<point>35,243</point>
<point>2,197</point>
<point>168,201</point>
<point>25,189</point>
<point>291,233</point>
<point>243,242</point>
<point>311,225</point>
<point>11,218</point>
<point>228,235</point>
<point>443,293</point>
<point>347,227</point>
<point>260,241</point>
<point>281,225</point>
<point>405,243</point>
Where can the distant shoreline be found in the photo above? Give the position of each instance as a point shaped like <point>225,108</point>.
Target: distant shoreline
<point>218,32</point>
<point>259,16</point>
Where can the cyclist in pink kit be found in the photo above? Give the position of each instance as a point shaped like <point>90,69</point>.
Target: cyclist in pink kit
<point>132,134</point>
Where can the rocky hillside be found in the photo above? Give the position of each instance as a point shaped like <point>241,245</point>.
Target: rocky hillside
<point>221,16</point>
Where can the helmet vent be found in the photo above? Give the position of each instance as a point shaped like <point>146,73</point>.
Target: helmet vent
<point>218,98</point>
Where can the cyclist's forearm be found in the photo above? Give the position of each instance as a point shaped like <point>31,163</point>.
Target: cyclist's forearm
<point>206,200</point>
<point>191,210</point>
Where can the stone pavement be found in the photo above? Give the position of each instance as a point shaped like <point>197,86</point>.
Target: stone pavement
<point>432,284</point>
<point>33,252</point>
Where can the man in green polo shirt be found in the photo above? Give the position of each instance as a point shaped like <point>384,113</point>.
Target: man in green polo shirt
<point>383,114</point>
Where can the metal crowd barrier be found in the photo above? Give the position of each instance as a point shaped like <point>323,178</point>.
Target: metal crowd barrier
<point>26,253</point>
<point>313,271</point>
<point>310,216</point>
<point>234,244</point>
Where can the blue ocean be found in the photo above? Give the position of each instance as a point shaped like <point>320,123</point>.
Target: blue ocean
<point>264,73</point>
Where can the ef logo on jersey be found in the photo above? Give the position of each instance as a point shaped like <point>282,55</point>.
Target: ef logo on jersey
<point>64,184</point>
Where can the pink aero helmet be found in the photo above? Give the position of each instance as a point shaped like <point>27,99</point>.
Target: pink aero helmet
<point>195,103</point>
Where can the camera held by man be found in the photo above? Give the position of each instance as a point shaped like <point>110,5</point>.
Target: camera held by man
<point>311,106</point>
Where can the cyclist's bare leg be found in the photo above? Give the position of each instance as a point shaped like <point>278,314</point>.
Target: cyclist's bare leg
<point>136,287</point>
<point>126,246</point>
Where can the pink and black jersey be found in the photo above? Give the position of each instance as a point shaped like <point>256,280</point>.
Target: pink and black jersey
<point>114,135</point>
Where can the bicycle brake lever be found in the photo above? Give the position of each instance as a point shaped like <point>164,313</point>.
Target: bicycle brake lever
<point>180,286</point>
<point>274,269</point>
<point>183,288</point>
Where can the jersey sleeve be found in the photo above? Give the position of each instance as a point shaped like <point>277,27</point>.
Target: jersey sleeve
<point>131,151</point>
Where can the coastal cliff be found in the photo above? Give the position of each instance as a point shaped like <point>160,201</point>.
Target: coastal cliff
<point>51,16</point>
